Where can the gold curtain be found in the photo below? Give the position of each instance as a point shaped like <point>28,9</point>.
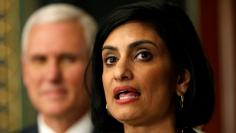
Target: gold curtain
<point>10,92</point>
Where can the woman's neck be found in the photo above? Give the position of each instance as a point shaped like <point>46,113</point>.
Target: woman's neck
<point>164,126</point>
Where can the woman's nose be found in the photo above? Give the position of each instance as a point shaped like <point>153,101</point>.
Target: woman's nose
<point>123,70</point>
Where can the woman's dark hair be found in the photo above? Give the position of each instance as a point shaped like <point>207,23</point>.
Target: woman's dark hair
<point>181,39</point>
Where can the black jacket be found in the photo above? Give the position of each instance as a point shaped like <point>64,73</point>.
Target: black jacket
<point>30,129</point>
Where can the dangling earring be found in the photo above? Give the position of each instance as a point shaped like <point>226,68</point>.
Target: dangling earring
<point>180,107</point>
<point>181,102</point>
<point>108,112</point>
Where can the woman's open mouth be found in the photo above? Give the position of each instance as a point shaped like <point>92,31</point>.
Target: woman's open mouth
<point>126,94</point>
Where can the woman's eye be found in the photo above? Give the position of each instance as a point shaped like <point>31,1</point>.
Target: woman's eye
<point>110,60</point>
<point>143,55</point>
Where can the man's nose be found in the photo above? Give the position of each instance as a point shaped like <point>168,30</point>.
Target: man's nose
<point>53,72</point>
<point>123,70</point>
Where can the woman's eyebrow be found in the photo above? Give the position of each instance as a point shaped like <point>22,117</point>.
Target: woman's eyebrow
<point>131,45</point>
<point>142,42</point>
<point>109,47</point>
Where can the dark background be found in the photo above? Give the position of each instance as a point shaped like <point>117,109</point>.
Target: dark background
<point>99,8</point>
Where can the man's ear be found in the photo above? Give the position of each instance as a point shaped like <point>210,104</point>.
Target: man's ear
<point>183,82</point>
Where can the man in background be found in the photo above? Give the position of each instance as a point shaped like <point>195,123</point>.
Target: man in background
<point>57,42</point>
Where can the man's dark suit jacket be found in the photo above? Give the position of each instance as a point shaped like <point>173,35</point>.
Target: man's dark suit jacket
<point>30,129</point>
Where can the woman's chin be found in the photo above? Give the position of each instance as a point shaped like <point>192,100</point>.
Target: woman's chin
<point>126,117</point>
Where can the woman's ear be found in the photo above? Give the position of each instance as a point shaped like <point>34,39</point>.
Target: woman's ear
<point>183,82</point>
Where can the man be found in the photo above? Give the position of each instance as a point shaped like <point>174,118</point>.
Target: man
<point>56,47</point>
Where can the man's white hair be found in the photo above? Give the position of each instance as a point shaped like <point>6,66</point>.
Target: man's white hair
<point>60,12</point>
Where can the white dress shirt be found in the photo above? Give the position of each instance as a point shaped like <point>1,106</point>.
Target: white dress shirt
<point>84,125</point>
<point>197,130</point>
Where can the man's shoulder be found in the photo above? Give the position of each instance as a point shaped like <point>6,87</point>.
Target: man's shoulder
<point>30,129</point>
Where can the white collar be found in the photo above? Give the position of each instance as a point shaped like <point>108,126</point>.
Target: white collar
<point>198,130</point>
<point>84,125</point>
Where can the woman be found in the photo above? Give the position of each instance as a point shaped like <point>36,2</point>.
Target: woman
<point>150,72</point>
